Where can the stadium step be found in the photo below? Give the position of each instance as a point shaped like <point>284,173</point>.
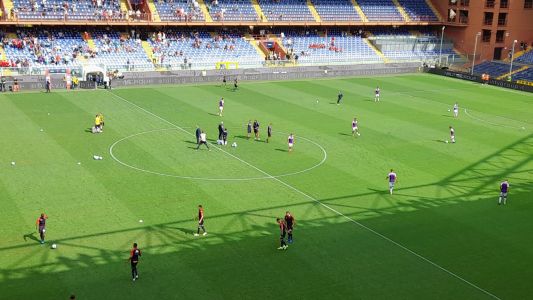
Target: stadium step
<point>518,54</point>
<point>435,10</point>
<point>376,50</point>
<point>359,10</point>
<point>205,11</point>
<point>255,44</point>
<point>123,5</point>
<point>153,11</point>
<point>150,53</point>
<point>3,56</point>
<point>402,11</point>
<point>259,11</point>
<point>8,5</point>
<point>313,11</point>
<point>504,76</point>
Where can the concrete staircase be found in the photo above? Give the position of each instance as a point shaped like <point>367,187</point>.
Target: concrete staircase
<point>8,5</point>
<point>504,76</point>
<point>2,54</point>
<point>404,14</point>
<point>376,50</point>
<point>435,10</point>
<point>518,54</point>
<point>255,44</point>
<point>359,11</point>
<point>205,11</point>
<point>153,11</point>
<point>89,40</point>
<point>313,11</point>
<point>259,11</point>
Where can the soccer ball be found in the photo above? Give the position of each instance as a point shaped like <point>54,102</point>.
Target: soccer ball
<point>234,145</point>
<point>446,141</point>
<point>54,246</point>
<point>449,109</point>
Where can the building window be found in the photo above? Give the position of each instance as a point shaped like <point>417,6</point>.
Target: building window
<point>504,3</point>
<point>487,20</point>
<point>465,2</point>
<point>463,16</point>
<point>502,19</point>
<point>500,36</point>
<point>489,3</point>
<point>485,36</point>
<point>452,2</point>
<point>528,3</point>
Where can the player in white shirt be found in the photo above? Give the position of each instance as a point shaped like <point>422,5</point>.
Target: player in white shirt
<point>355,128</point>
<point>377,91</point>
<point>452,134</point>
<point>455,110</point>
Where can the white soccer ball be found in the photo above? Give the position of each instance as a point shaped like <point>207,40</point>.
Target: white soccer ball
<point>234,145</point>
<point>140,221</point>
<point>54,246</point>
<point>12,163</point>
<point>449,109</point>
<point>446,142</point>
<point>317,101</point>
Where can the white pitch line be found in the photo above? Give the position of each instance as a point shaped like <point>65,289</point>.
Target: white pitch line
<point>492,123</point>
<point>322,204</point>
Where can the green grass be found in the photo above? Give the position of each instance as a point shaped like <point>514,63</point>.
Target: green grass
<point>444,208</point>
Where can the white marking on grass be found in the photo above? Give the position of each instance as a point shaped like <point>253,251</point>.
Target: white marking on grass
<point>492,123</point>
<point>322,204</point>
<point>111,148</point>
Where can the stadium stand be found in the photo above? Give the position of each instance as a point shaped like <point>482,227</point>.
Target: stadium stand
<point>232,10</point>
<point>44,47</point>
<point>201,48</point>
<point>70,10</point>
<point>526,74</point>
<point>336,10</point>
<point>179,10</point>
<point>380,10</point>
<point>526,58</point>
<point>494,69</point>
<point>418,10</point>
<point>286,10</point>
<point>119,51</point>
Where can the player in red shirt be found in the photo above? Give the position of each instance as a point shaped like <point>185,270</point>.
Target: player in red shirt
<point>200,221</point>
<point>41,226</point>
<point>283,232</point>
<point>135,254</point>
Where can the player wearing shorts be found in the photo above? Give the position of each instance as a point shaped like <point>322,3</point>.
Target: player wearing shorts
<point>97,123</point>
<point>224,82</point>
<point>235,84</point>
<point>355,128</point>
<point>339,97</point>
<point>455,110</point>
<point>135,254</point>
<point>282,234</point>
<point>41,226</point>
<point>290,140</point>
<point>256,130</point>
<point>504,189</point>
<point>249,129</point>
<point>452,134</point>
<point>269,132</point>
<point>376,97</point>
<point>290,222</point>
<point>200,221</point>
<point>203,141</point>
<point>221,106</point>
<point>391,177</point>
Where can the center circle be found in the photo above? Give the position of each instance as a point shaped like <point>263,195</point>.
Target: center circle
<point>156,152</point>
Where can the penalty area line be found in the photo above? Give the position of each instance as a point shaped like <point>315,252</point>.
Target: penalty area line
<point>321,203</point>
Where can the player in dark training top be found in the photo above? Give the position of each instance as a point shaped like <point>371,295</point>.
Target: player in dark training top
<point>200,221</point>
<point>289,220</point>
<point>283,233</point>
<point>224,82</point>
<point>249,129</point>
<point>135,254</point>
<point>256,130</point>
<point>339,97</point>
<point>235,84</point>
<point>269,132</point>
<point>41,226</point>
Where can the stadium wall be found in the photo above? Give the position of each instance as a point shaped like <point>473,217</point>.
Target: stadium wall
<point>477,78</point>
<point>215,76</point>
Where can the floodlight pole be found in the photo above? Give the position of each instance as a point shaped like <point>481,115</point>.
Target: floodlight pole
<point>474,58</point>
<point>440,50</point>
<point>512,58</point>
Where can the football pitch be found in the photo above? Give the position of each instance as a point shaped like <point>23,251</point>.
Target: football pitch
<point>441,235</point>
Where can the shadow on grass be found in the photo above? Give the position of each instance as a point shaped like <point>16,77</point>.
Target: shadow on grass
<point>31,236</point>
<point>345,134</point>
